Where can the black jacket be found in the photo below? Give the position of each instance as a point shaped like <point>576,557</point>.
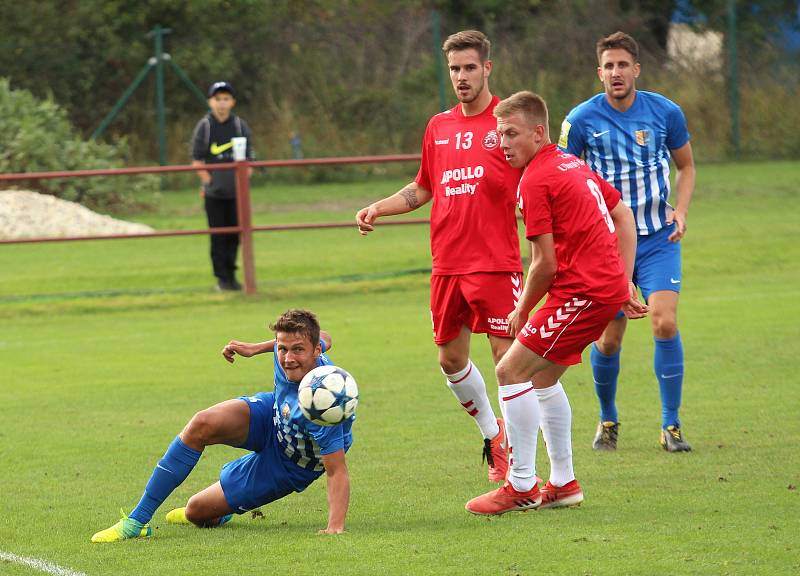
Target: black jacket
<point>211,143</point>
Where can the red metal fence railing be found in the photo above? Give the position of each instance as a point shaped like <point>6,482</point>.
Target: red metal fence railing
<point>245,228</point>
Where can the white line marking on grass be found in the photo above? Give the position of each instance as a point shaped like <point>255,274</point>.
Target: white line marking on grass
<point>41,565</point>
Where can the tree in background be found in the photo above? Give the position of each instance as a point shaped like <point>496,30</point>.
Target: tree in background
<point>360,76</point>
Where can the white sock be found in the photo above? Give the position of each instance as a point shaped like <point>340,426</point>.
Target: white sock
<point>521,409</point>
<point>500,402</point>
<point>557,432</point>
<point>470,389</point>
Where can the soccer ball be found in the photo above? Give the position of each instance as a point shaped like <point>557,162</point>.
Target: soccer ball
<point>327,395</point>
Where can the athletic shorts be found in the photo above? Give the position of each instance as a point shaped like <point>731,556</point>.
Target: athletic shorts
<point>658,263</point>
<point>266,474</point>
<point>561,329</point>
<point>480,301</point>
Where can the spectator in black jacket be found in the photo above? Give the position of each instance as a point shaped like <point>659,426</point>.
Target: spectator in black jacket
<point>211,144</point>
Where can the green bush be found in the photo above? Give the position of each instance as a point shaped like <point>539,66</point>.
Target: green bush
<point>38,137</point>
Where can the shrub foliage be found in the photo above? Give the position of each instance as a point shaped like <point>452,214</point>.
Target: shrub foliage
<point>37,136</point>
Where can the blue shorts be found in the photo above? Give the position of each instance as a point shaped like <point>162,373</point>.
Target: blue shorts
<point>266,474</point>
<point>658,263</point>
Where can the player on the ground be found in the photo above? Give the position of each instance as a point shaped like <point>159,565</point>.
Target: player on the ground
<point>476,277</point>
<point>627,136</point>
<point>287,454</point>
<point>584,242</point>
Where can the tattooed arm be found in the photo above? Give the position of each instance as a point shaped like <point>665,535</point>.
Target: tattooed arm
<point>411,197</point>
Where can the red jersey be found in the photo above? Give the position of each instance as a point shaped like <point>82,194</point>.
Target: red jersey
<point>473,219</point>
<point>559,194</point>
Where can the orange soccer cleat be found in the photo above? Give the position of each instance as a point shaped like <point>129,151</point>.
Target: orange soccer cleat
<point>570,494</point>
<point>504,499</point>
<point>495,452</point>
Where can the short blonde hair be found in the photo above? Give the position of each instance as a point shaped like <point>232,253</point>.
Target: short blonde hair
<point>531,105</point>
<point>467,39</point>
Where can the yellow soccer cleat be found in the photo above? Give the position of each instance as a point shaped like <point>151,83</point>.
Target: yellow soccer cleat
<point>177,516</point>
<point>125,529</point>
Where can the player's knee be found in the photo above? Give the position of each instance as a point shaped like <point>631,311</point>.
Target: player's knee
<point>610,340</point>
<point>452,363</point>
<point>609,346</point>
<point>506,374</point>
<point>199,430</point>
<point>664,326</point>
<point>195,512</point>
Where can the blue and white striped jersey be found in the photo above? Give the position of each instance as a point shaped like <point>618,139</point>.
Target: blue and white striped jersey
<point>302,441</point>
<point>630,150</point>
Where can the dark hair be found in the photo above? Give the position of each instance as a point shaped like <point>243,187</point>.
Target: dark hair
<point>298,321</point>
<point>467,39</point>
<point>618,40</point>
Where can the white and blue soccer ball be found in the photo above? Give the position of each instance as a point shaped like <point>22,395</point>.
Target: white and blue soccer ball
<point>327,395</point>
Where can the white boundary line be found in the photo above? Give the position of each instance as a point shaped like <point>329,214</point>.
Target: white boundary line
<point>41,565</point>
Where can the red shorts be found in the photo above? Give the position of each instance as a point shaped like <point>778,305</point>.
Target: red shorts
<point>481,301</point>
<point>561,329</point>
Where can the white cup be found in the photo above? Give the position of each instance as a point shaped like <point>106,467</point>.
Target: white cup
<point>239,148</point>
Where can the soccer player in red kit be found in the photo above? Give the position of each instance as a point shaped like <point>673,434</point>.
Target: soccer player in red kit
<point>584,245</point>
<point>476,277</point>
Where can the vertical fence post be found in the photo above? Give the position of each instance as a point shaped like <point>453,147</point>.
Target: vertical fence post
<point>436,27</point>
<point>246,223</point>
<point>733,78</point>
<point>158,40</point>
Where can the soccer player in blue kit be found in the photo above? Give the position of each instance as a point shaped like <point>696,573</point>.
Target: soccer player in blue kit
<point>287,454</point>
<point>627,136</point>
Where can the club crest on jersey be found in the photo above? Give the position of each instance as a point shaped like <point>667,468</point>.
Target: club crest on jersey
<point>642,137</point>
<point>491,140</point>
<point>285,411</point>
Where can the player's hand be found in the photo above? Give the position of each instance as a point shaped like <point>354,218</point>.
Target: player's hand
<point>680,225</point>
<point>365,219</point>
<point>235,347</point>
<point>202,192</point>
<point>330,530</point>
<point>516,321</point>
<point>634,308</point>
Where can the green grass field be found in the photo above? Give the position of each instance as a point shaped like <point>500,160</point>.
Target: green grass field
<point>109,347</point>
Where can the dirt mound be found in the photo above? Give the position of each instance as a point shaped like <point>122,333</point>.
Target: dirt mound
<point>26,214</point>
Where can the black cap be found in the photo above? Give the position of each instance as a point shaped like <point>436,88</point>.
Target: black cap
<point>221,87</point>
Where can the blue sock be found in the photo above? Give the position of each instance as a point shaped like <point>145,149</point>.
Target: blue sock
<point>169,473</point>
<point>668,364</point>
<point>605,370</point>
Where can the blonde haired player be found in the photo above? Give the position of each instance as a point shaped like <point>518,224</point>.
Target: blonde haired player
<point>583,241</point>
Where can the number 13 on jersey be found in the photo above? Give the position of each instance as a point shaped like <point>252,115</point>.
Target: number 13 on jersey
<point>463,140</point>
